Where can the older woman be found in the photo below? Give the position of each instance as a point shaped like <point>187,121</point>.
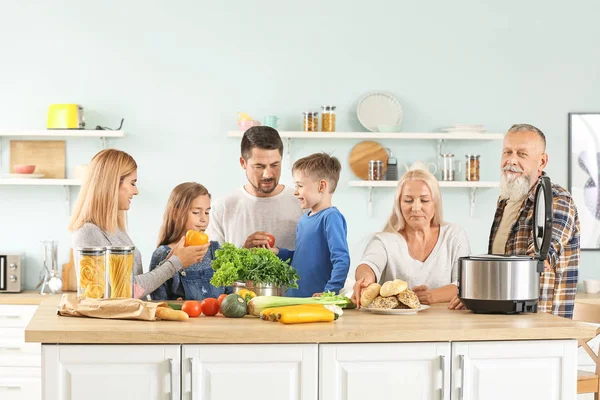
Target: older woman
<point>100,217</point>
<point>415,245</point>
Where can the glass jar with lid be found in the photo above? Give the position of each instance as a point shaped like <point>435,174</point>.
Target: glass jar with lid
<point>472,167</point>
<point>328,119</point>
<point>311,121</point>
<point>376,170</point>
<point>120,271</point>
<point>90,268</point>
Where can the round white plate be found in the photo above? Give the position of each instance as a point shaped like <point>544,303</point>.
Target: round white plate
<point>396,311</point>
<point>378,108</point>
<point>24,176</point>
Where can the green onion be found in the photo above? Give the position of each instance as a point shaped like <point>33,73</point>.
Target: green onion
<point>259,303</point>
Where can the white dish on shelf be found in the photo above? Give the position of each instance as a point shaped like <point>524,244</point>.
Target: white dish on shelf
<point>379,108</point>
<point>396,311</point>
<point>24,176</point>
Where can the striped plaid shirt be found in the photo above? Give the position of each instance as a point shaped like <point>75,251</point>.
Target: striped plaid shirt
<point>558,283</point>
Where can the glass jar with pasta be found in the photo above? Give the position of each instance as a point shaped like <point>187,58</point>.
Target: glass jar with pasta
<point>328,119</point>
<point>120,271</point>
<point>90,268</point>
<point>311,121</point>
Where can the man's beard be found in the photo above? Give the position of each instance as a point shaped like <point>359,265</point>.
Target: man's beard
<point>511,188</point>
<point>259,189</point>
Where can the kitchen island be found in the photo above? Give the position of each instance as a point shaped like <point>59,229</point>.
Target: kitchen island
<point>435,354</point>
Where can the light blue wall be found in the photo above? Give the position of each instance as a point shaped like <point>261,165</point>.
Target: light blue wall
<point>178,72</point>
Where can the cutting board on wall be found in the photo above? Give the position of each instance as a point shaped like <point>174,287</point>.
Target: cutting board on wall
<point>362,153</point>
<point>47,155</point>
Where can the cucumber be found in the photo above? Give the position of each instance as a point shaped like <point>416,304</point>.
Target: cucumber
<point>233,306</point>
<point>175,306</point>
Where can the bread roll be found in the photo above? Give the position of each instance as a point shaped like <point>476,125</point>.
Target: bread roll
<point>169,314</point>
<point>369,294</point>
<point>391,288</point>
<point>409,298</point>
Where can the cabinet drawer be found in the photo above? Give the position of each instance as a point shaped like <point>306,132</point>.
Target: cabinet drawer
<point>20,383</point>
<point>14,352</point>
<point>16,316</point>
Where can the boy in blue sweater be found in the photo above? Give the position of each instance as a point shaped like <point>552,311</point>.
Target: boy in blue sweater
<point>321,256</point>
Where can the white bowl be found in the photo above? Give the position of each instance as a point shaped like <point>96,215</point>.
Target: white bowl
<point>591,286</point>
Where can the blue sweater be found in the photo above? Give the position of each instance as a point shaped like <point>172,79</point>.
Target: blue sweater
<point>321,256</point>
<point>192,283</point>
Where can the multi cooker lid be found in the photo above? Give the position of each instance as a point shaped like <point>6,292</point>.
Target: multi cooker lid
<point>542,218</point>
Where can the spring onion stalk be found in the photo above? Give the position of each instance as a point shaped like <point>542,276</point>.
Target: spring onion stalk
<point>259,303</point>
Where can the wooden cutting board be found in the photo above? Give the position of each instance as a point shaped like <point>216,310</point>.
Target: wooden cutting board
<point>69,276</point>
<point>47,155</point>
<point>362,153</point>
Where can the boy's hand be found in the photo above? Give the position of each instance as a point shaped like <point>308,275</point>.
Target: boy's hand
<point>275,250</point>
<point>257,239</point>
<point>317,294</point>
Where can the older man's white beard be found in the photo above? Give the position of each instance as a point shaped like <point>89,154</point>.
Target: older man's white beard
<point>514,189</point>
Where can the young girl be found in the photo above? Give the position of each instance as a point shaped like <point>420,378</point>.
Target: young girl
<point>188,208</point>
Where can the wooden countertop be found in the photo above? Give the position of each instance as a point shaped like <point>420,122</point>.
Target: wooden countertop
<point>432,325</point>
<point>27,297</point>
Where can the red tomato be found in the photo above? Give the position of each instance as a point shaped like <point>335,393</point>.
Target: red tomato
<point>210,307</point>
<point>220,299</point>
<point>271,240</point>
<point>192,308</point>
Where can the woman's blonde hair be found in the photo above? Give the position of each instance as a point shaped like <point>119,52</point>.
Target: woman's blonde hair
<point>98,200</point>
<point>176,213</point>
<point>396,222</point>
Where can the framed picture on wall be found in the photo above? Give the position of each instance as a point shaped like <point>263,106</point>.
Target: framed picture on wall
<point>584,174</point>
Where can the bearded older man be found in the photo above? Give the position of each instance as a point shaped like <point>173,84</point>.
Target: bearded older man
<point>523,161</point>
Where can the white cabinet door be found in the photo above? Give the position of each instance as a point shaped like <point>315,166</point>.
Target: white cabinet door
<point>251,372</point>
<point>542,369</point>
<point>99,372</point>
<point>385,371</point>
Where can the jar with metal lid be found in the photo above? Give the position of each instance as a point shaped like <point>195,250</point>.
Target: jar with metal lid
<point>311,121</point>
<point>90,268</point>
<point>328,119</point>
<point>120,271</point>
<point>376,170</point>
<point>472,167</point>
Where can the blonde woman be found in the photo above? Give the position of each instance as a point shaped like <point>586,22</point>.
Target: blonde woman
<point>100,218</point>
<point>415,245</point>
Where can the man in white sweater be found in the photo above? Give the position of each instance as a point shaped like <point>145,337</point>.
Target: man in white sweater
<point>262,206</point>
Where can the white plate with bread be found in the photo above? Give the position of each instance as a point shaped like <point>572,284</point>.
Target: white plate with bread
<point>393,297</point>
<point>396,311</point>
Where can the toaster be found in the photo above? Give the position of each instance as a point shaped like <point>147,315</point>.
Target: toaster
<point>65,116</point>
<point>11,273</point>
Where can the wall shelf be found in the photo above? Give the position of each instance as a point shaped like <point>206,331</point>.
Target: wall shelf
<point>65,133</point>
<point>40,182</point>
<point>102,134</point>
<point>443,184</point>
<point>383,135</point>
<point>449,184</point>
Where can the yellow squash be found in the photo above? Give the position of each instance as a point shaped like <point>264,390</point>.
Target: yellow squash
<point>304,314</point>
